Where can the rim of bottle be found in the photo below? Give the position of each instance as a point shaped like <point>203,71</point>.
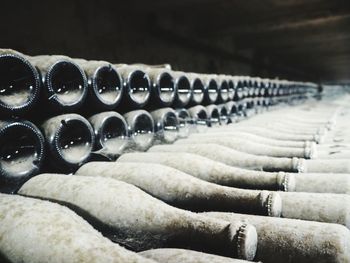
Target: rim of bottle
<point>147,127</point>
<point>197,90</point>
<point>52,93</point>
<point>64,123</point>
<point>39,141</point>
<point>166,124</point>
<point>142,101</point>
<point>179,98</point>
<point>161,77</point>
<point>223,91</point>
<point>34,97</point>
<point>213,115</point>
<point>109,69</point>
<point>100,127</point>
<point>212,91</point>
<point>232,89</point>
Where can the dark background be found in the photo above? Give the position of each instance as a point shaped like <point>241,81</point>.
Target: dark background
<point>294,39</point>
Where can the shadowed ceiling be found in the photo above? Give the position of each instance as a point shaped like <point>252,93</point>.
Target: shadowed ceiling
<point>308,40</point>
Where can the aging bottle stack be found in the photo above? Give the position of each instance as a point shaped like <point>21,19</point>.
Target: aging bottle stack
<point>105,162</point>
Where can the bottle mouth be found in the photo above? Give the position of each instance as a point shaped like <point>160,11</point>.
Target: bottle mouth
<point>224,116</point>
<point>185,121</point>
<point>168,127</point>
<point>239,93</point>
<point>224,91</point>
<point>141,130</point>
<point>231,90</point>
<point>113,134</point>
<point>107,85</point>
<point>198,91</point>
<point>139,87</point>
<point>214,117</point>
<point>19,83</point>
<point>166,88</point>
<point>67,83</point>
<point>212,91</point>
<point>74,141</point>
<point>21,151</point>
<point>199,116</point>
<point>183,90</point>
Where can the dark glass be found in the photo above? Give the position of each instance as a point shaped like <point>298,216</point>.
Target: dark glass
<point>166,124</point>
<point>21,153</point>
<point>183,91</point>
<point>19,85</point>
<point>70,139</point>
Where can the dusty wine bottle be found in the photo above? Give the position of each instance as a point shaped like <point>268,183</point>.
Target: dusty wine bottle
<point>175,255</point>
<point>173,187</point>
<point>26,237</point>
<point>295,241</point>
<point>213,115</point>
<point>136,220</point>
<point>70,139</point>
<point>21,153</point>
<point>224,115</point>
<point>137,87</point>
<point>19,84</point>
<point>211,89</point>
<point>224,89</point>
<point>236,158</point>
<point>328,208</point>
<point>105,84</point>
<point>141,129</point>
<point>186,123</point>
<point>111,134</point>
<point>163,89</point>
<point>200,117</point>
<point>215,172</point>
<point>231,88</point>
<point>197,88</point>
<point>183,89</point>
<point>253,147</point>
<point>65,84</point>
<point>166,125</point>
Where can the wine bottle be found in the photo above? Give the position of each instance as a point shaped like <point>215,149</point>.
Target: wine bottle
<point>111,134</point>
<point>255,138</point>
<point>327,166</point>
<point>215,172</point>
<point>185,191</point>
<point>163,89</point>
<point>225,117</point>
<point>141,129</point>
<point>21,153</point>
<point>183,89</point>
<point>70,139</point>
<point>235,158</point>
<point>328,208</point>
<point>197,88</point>
<point>175,255</point>
<point>166,125</point>
<point>40,231</point>
<point>213,115</point>
<point>232,85</point>
<point>105,85</point>
<point>137,87</point>
<point>253,147</point>
<point>136,220</point>
<point>232,110</point>
<point>223,89</point>
<point>186,123</point>
<point>295,241</point>
<point>200,117</point>
<point>19,84</point>
<point>211,89</point>
<point>65,84</point>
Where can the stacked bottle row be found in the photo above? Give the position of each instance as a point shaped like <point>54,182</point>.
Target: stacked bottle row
<point>241,191</point>
<point>64,85</point>
<point>272,188</point>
